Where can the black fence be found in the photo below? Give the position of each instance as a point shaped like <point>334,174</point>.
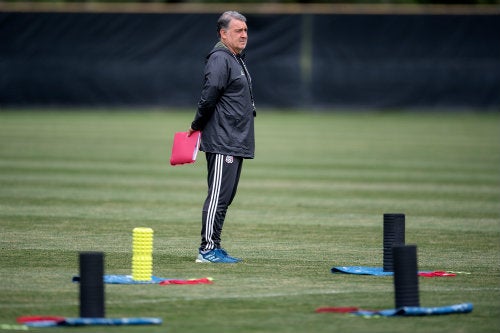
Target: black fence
<point>296,60</point>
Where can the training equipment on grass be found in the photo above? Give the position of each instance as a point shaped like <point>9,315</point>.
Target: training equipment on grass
<point>405,276</point>
<point>127,279</point>
<point>394,235</point>
<point>403,268</point>
<point>92,307</point>
<point>51,321</point>
<point>406,311</point>
<point>142,254</point>
<point>378,271</point>
<point>142,265</point>
<point>91,284</point>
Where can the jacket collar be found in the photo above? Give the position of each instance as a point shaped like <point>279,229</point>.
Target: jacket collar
<point>219,46</point>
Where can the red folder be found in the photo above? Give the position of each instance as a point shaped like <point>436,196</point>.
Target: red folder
<point>185,148</point>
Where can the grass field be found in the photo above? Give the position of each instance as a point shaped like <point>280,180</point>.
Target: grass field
<point>313,198</point>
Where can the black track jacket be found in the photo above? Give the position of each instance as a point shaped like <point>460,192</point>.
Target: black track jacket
<point>226,110</point>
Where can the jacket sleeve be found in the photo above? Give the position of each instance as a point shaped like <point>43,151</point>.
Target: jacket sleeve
<point>216,78</point>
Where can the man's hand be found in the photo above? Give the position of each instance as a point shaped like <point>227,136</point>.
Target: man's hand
<point>190,131</point>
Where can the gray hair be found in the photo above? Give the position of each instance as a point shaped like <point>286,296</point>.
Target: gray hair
<point>226,17</point>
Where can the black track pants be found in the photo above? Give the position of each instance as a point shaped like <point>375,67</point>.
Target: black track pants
<point>223,177</point>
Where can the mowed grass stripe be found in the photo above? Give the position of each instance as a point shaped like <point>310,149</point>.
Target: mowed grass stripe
<point>50,192</point>
<point>259,175</point>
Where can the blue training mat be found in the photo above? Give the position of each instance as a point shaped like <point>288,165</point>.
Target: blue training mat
<point>364,270</point>
<point>417,311</point>
<point>125,279</point>
<point>361,270</point>
<point>112,321</point>
<point>95,321</point>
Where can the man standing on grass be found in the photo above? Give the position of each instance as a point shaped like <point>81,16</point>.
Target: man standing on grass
<point>225,116</point>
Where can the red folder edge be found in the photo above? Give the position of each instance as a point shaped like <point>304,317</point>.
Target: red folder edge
<point>185,148</point>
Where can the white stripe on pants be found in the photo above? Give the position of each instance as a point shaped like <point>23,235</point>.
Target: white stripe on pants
<point>223,177</point>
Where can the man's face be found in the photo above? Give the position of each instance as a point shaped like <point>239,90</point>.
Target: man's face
<point>235,37</point>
